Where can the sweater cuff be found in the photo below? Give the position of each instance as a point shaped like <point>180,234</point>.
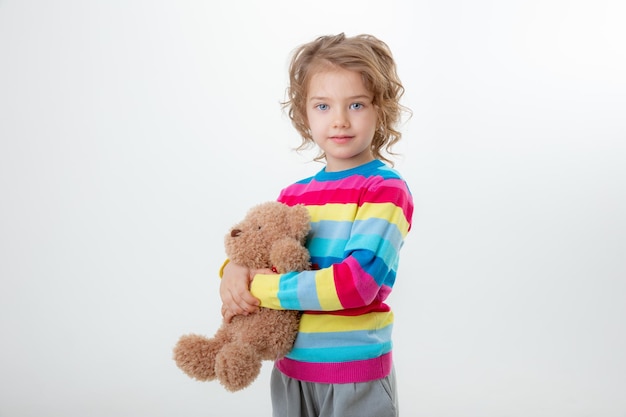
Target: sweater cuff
<point>265,288</point>
<point>221,272</point>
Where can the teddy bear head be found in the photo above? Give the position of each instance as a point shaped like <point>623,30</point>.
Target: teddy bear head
<point>252,241</point>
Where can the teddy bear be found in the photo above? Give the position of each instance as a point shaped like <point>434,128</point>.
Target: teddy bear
<point>271,235</point>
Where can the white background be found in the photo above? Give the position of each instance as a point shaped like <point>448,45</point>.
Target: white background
<point>134,133</point>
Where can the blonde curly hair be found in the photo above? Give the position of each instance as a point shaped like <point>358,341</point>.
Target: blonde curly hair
<point>364,54</point>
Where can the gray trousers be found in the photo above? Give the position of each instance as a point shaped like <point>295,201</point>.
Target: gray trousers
<point>293,398</point>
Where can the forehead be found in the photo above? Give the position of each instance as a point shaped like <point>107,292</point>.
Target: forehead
<point>336,82</point>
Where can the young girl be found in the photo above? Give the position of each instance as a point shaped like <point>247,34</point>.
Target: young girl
<point>343,97</point>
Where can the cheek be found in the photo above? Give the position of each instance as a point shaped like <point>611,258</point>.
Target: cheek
<point>314,122</point>
<point>374,120</point>
<point>368,122</point>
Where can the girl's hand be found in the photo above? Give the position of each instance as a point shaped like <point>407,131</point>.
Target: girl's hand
<point>235,291</point>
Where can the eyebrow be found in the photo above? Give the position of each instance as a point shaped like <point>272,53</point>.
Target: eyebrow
<point>357,97</point>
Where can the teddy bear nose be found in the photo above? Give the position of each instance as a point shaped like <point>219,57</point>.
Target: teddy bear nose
<point>235,232</point>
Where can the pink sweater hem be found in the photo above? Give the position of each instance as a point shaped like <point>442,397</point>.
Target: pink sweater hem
<point>337,373</point>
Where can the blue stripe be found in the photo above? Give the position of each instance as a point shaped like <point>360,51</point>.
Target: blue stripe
<point>369,170</point>
<point>340,354</point>
<point>343,338</point>
<point>387,172</point>
<point>326,241</point>
<point>287,290</point>
<point>307,293</point>
<point>328,229</point>
<point>374,247</point>
<point>379,228</point>
<point>374,266</point>
<point>324,262</point>
<point>390,279</point>
<point>326,247</point>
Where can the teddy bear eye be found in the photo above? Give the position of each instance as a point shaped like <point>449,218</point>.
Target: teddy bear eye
<point>258,228</point>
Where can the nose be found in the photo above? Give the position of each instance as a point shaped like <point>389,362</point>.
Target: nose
<point>340,119</point>
<point>235,232</point>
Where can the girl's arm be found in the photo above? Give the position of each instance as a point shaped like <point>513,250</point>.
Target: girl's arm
<point>235,290</point>
<point>366,259</point>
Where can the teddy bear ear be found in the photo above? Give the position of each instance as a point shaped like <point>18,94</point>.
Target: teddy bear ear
<point>300,221</point>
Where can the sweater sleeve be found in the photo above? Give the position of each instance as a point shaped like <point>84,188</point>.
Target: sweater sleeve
<point>360,246</point>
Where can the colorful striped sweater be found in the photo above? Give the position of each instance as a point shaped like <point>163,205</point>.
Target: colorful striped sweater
<point>359,220</point>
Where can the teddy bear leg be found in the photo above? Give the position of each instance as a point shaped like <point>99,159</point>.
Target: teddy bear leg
<point>278,337</point>
<point>237,366</point>
<point>195,355</point>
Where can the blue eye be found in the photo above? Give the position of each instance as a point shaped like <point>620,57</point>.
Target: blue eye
<point>322,107</point>
<point>356,106</point>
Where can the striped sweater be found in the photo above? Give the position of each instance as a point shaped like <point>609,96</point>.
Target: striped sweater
<point>359,219</point>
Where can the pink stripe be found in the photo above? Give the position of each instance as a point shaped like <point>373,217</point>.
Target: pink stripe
<point>353,182</point>
<point>392,191</point>
<point>339,195</point>
<point>384,292</point>
<point>388,195</point>
<point>344,283</point>
<point>337,373</point>
<point>362,288</point>
<point>313,198</point>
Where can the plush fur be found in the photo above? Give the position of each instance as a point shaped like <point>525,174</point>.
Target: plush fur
<point>272,235</point>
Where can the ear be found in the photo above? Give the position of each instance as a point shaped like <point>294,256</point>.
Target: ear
<point>299,222</point>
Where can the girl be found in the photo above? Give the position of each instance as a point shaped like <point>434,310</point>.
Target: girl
<point>343,97</point>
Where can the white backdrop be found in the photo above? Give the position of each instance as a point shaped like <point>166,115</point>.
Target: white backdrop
<point>134,133</point>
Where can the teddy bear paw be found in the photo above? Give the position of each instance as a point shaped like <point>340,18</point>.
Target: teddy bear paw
<point>236,369</point>
<point>195,355</point>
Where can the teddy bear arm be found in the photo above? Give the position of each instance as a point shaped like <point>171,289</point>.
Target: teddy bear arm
<point>289,255</point>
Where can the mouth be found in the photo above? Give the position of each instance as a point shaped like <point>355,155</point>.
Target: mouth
<point>341,138</point>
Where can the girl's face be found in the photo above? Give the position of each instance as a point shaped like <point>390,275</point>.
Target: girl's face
<point>341,117</point>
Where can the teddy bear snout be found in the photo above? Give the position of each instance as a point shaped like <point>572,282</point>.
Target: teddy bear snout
<point>235,232</point>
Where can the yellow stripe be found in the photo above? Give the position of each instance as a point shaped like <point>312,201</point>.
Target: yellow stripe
<point>333,212</point>
<point>265,288</point>
<point>326,291</point>
<point>351,212</point>
<point>315,323</point>
<point>382,211</point>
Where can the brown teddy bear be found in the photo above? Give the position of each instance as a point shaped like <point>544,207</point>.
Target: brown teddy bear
<point>272,235</point>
